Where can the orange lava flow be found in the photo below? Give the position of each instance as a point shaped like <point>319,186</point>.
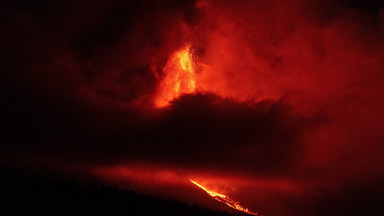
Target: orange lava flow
<point>224,199</point>
<point>180,77</point>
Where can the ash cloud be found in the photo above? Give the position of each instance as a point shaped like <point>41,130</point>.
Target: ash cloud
<point>323,57</point>
<point>293,90</point>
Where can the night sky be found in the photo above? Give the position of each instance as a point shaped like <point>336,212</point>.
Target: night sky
<point>287,116</point>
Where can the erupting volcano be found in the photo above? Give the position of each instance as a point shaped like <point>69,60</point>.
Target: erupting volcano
<point>271,107</point>
<point>179,77</point>
<point>224,199</point>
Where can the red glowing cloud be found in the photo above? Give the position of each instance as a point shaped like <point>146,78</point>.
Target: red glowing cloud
<point>285,96</point>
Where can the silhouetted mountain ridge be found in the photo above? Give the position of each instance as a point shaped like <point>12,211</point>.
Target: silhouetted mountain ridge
<point>27,195</point>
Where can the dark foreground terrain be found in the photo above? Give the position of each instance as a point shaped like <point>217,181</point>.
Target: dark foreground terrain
<point>22,194</point>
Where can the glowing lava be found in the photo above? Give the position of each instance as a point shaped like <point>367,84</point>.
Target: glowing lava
<point>180,77</point>
<point>225,199</point>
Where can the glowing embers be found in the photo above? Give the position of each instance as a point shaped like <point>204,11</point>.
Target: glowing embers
<point>224,199</point>
<point>180,77</point>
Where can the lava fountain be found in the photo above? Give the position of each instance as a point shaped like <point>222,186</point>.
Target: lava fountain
<point>179,77</point>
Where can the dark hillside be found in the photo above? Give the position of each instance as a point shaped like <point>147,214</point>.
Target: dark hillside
<point>26,195</point>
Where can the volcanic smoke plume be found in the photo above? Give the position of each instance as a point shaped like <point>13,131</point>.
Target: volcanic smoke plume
<point>275,104</point>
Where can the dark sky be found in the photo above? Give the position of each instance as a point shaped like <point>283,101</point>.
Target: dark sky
<point>288,112</point>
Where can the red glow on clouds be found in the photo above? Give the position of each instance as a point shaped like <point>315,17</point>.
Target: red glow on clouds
<point>284,97</point>
<point>141,173</point>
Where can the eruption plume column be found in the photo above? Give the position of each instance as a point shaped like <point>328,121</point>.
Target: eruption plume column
<point>180,77</point>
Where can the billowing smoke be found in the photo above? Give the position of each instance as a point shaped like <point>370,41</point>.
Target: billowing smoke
<point>288,93</point>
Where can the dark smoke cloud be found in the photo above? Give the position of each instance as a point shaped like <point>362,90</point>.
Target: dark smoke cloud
<point>294,90</point>
<point>323,57</point>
